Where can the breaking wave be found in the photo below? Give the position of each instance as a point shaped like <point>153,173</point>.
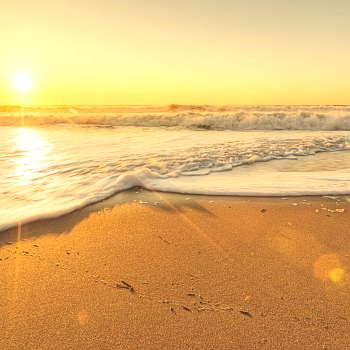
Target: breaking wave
<point>187,117</point>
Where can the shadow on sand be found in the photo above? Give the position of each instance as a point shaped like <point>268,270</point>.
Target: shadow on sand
<point>170,202</point>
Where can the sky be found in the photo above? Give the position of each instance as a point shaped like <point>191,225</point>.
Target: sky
<point>159,52</point>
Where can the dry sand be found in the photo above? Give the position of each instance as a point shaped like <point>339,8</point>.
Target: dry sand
<point>189,272</point>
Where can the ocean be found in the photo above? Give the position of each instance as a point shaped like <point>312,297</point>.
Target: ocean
<point>66,157</point>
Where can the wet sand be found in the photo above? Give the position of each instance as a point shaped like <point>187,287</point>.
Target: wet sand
<point>143,270</point>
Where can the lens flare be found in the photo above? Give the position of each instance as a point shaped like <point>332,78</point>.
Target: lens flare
<point>329,268</point>
<point>336,274</point>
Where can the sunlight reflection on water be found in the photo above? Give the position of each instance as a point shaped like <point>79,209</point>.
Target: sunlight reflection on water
<point>51,169</point>
<point>31,152</point>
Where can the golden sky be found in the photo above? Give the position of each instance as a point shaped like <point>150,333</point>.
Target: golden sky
<point>177,51</point>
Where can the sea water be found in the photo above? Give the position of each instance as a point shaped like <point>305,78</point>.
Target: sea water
<point>63,158</point>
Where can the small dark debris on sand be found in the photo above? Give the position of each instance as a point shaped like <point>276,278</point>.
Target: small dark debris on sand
<point>125,286</point>
<point>164,240</point>
<point>246,313</point>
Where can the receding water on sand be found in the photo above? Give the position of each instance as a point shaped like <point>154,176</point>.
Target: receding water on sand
<point>49,170</point>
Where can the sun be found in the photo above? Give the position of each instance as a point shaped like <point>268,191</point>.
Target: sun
<point>22,81</point>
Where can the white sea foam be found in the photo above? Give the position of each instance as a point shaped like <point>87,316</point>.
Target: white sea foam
<point>190,117</point>
<point>37,207</point>
<point>242,183</point>
<point>48,171</point>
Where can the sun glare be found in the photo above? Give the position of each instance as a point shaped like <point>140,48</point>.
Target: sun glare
<point>22,81</point>
<point>32,150</point>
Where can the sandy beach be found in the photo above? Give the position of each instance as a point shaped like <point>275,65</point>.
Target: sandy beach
<point>145,270</point>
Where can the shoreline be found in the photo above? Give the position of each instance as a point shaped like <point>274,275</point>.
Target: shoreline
<point>190,272</point>
<point>122,197</point>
